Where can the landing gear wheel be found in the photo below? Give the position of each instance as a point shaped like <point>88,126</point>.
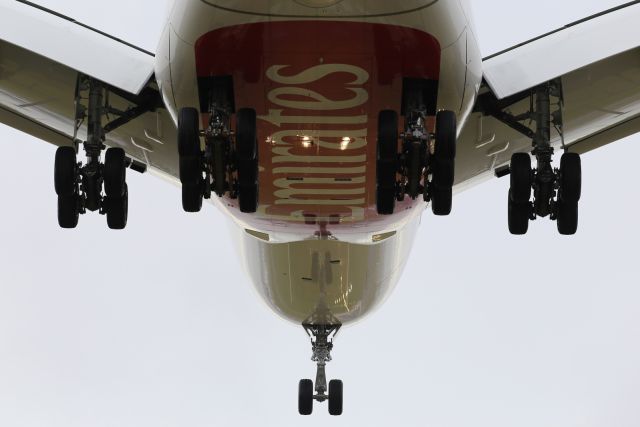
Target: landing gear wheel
<point>335,397</point>
<point>567,217</point>
<point>247,152</point>
<point>248,198</point>
<point>415,167</point>
<point>521,175</point>
<point>191,177</point>
<point>117,210</point>
<point>305,397</point>
<point>65,173</point>
<point>220,147</point>
<point>190,169</point>
<point>115,172</point>
<point>386,162</point>
<point>188,132</point>
<point>519,215</point>
<point>443,163</point>
<point>446,135</point>
<point>191,198</point>
<point>443,173</point>
<point>190,154</point>
<point>570,177</point>
<point>441,200</point>
<point>68,211</point>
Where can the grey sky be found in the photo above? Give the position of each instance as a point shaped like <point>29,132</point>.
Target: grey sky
<point>158,326</point>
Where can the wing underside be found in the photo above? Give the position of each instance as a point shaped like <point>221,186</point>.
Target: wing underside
<point>39,74</point>
<point>596,64</point>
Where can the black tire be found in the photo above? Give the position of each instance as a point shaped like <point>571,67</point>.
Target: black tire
<point>68,211</point>
<point>387,162</point>
<point>443,173</point>
<point>64,171</point>
<point>305,397</point>
<point>189,132</point>
<point>567,217</point>
<point>115,172</point>
<point>191,198</point>
<point>247,152</point>
<point>246,134</point>
<point>521,175</point>
<point>220,155</point>
<point>190,170</point>
<point>248,199</point>
<point>385,200</point>
<point>118,210</point>
<point>441,200</point>
<point>446,135</point>
<point>571,177</point>
<point>388,135</point>
<point>518,217</point>
<point>414,169</point>
<point>335,397</point>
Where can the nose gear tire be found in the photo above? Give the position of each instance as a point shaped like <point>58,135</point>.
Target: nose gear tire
<point>335,397</point>
<point>305,397</point>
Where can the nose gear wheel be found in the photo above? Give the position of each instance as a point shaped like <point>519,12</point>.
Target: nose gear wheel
<point>322,335</point>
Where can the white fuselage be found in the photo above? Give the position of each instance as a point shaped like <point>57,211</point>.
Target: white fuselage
<point>318,73</point>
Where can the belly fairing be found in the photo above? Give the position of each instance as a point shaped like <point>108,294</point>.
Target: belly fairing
<point>298,279</point>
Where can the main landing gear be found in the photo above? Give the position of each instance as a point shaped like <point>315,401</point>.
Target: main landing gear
<point>79,187</point>
<point>322,343</point>
<point>97,186</point>
<point>425,165</point>
<point>556,192</point>
<point>228,165</point>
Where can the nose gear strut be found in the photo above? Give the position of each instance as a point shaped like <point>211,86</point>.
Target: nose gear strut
<point>322,335</point>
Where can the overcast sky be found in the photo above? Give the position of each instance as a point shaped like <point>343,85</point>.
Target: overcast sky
<point>158,326</point>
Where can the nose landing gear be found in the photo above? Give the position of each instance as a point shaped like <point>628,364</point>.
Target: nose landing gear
<point>322,343</point>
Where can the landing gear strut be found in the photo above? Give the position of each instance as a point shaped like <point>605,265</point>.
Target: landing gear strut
<point>228,165</point>
<point>321,343</point>
<point>425,166</point>
<point>80,187</point>
<point>556,192</point>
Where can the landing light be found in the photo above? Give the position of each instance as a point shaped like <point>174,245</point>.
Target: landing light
<point>345,143</point>
<point>306,141</point>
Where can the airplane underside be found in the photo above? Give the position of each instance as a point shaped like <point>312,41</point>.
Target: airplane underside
<point>323,129</point>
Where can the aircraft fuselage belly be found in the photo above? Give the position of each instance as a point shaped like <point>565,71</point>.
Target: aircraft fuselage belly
<point>317,78</point>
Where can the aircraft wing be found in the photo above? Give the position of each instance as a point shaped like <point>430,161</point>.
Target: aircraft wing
<point>595,63</point>
<point>39,71</point>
